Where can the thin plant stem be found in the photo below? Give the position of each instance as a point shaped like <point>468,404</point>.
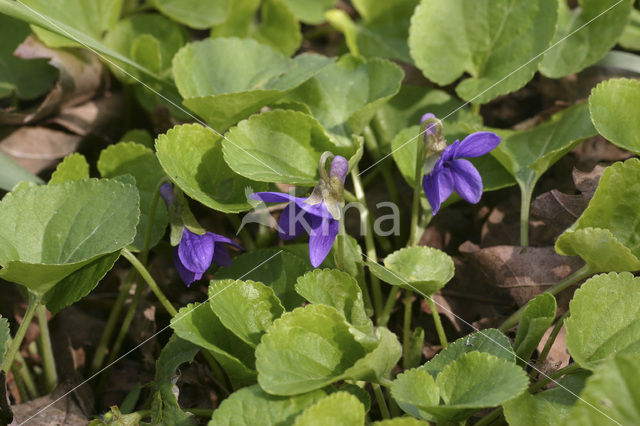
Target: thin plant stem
<point>46,351</point>
<point>525,207</point>
<point>388,306</point>
<point>393,405</point>
<point>150,281</point>
<point>370,245</point>
<point>417,192</point>
<point>475,109</point>
<point>550,340</point>
<point>20,368</point>
<point>34,302</point>
<point>382,403</point>
<point>201,412</point>
<point>571,368</point>
<point>342,234</point>
<point>436,319</point>
<point>490,418</point>
<point>574,278</point>
<point>406,328</point>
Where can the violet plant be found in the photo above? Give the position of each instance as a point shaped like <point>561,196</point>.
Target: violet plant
<point>318,307</point>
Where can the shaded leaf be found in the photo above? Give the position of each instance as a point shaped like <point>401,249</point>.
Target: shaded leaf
<point>11,173</point>
<point>247,308</point>
<point>630,38</point>
<point>339,408</point>
<point>310,12</point>
<point>536,319</point>
<point>605,319</point>
<point>199,14</point>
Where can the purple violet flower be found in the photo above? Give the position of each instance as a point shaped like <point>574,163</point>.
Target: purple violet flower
<point>316,217</point>
<point>195,253</point>
<point>451,171</point>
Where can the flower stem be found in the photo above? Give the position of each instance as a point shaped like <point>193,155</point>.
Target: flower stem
<point>475,109</point>
<point>20,368</point>
<point>525,207</point>
<point>417,191</point>
<point>388,306</point>
<point>490,418</point>
<point>550,340</point>
<point>571,368</point>
<point>370,245</point>
<point>201,412</point>
<point>34,302</point>
<point>382,403</point>
<point>436,319</point>
<point>342,235</point>
<point>46,351</point>
<point>150,281</point>
<point>576,277</point>
<point>406,328</point>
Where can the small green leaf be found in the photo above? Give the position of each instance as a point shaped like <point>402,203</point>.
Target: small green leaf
<point>338,289</point>
<point>245,406</point>
<point>191,155</point>
<point>547,408</point>
<point>199,14</point>
<point>26,79</point>
<point>198,324</point>
<point>296,142</point>
<point>584,35</point>
<point>73,167</point>
<point>414,388</point>
<point>274,267</point>
<point>615,109</point>
<point>400,421</point>
<point>492,40</point>
<point>422,269</point>
<point>359,392</point>
<point>536,319</point>
<point>605,235</point>
<point>630,38</point>
<point>165,408</point>
<point>491,341</point>
<point>611,394</point>
<point>4,337</point>
<point>378,363</point>
<point>148,39</point>
<point>605,319</point>
<point>415,348</point>
<point>345,95</point>
<point>49,232</point>
<point>307,349</point>
<point>310,12</point>
<point>339,408</point>
<point>247,308</point>
<point>351,260</point>
<point>140,162</point>
<point>140,136</point>
<point>383,30</point>
<point>223,89</point>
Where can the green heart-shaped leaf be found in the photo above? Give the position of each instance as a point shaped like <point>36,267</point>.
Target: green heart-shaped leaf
<point>198,324</point>
<point>199,14</point>
<point>191,155</point>
<point>606,235</point>
<point>49,232</point>
<point>584,35</point>
<point>422,269</point>
<point>338,289</point>
<point>73,167</point>
<point>295,144</point>
<point>615,109</point>
<point>605,319</point>
<point>339,408</point>
<point>247,308</point>
<point>223,89</point>
<point>378,363</point>
<point>141,163</point>
<point>491,341</point>
<point>244,406</point>
<point>536,319</point>
<point>492,40</point>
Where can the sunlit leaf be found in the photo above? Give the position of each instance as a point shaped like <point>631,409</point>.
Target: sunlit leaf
<point>339,408</point>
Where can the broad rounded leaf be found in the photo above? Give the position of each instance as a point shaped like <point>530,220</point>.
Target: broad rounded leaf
<point>492,40</point>
<point>335,288</point>
<point>198,324</point>
<point>247,308</point>
<point>422,269</point>
<point>274,267</point>
<point>279,146</point>
<point>615,108</point>
<point>73,167</point>
<point>491,341</point>
<point>605,318</point>
<point>611,394</point>
<point>310,12</point>
<point>414,388</point>
<point>306,349</point>
<point>584,35</point>
<point>606,234</point>
<point>199,14</point>
<point>227,79</point>
<point>339,408</point>
<point>536,319</point>
<point>378,363</point>
<point>140,162</point>
<point>245,406</point>
<point>191,155</point>
<point>49,232</point>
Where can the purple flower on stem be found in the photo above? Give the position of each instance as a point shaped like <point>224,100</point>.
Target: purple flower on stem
<point>451,171</point>
<point>317,215</point>
<point>195,253</point>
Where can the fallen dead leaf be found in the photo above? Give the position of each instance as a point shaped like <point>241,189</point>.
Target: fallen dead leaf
<point>63,412</point>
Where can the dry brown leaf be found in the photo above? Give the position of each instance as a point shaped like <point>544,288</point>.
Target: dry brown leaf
<point>63,412</point>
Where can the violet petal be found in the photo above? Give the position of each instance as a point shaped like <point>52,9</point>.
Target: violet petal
<point>186,275</point>
<point>477,144</point>
<point>321,238</point>
<point>288,230</point>
<point>272,197</point>
<point>466,180</point>
<point>222,239</point>
<point>221,255</point>
<point>437,186</point>
<point>339,167</point>
<point>196,251</point>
